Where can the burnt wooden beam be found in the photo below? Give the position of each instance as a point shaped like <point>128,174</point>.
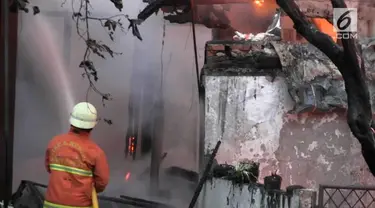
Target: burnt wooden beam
<point>256,64</point>
<point>241,58</point>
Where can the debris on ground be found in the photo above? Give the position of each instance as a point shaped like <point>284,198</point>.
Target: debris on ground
<point>314,82</point>
<point>245,172</point>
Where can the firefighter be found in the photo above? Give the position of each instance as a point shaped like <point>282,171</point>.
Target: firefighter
<point>75,163</point>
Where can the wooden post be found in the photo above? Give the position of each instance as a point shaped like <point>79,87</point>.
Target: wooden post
<point>8,54</point>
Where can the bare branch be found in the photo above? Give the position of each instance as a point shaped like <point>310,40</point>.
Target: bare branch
<point>83,15</point>
<point>93,46</point>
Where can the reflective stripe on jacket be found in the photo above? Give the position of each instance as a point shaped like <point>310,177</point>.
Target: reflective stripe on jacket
<point>71,170</point>
<point>75,163</point>
<point>52,205</point>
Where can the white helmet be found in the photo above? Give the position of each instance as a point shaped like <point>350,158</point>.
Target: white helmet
<point>83,116</point>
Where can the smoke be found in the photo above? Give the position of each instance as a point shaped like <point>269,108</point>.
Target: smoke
<point>43,94</point>
<point>49,82</point>
<point>244,18</point>
<point>251,18</point>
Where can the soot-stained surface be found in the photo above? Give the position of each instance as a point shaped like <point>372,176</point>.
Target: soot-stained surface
<point>320,149</point>
<point>313,81</point>
<point>246,113</point>
<point>250,115</point>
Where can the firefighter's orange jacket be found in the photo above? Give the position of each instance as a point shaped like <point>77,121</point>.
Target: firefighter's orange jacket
<point>75,163</point>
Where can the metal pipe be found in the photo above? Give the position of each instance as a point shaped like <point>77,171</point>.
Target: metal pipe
<point>8,144</point>
<point>205,175</point>
<point>194,40</point>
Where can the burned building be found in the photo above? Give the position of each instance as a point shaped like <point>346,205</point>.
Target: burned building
<point>282,105</point>
<point>136,75</point>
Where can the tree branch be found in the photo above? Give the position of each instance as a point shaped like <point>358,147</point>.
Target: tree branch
<point>308,30</point>
<point>346,58</point>
<point>83,15</point>
<point>93,46</point>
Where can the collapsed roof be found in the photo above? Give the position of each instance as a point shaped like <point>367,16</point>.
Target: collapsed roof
<point>314,82</point>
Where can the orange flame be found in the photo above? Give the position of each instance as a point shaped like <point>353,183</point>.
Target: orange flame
<point>131,146</point>
<point>324,26</point>
<point>127,176</point>
<point>258,3</point>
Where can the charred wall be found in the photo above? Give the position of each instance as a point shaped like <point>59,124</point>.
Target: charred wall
<point>250,115</point>
<point>254,113</point>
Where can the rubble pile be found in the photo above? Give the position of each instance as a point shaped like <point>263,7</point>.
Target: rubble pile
<point>244,173</point>
<point>314,82</point>
<point>273,31</point>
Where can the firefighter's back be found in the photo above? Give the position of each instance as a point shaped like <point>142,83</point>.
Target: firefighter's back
<point>71,159</point>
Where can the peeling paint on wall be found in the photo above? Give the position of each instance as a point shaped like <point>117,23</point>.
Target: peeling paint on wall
<point>247,114</point>
<point>308,149</point>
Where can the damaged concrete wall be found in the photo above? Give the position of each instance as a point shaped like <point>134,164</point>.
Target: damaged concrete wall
<point>246,113</point>
<point>320,149</point>
<point>252,116</point>
<point>249,114</point>
<point>314,81</point>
